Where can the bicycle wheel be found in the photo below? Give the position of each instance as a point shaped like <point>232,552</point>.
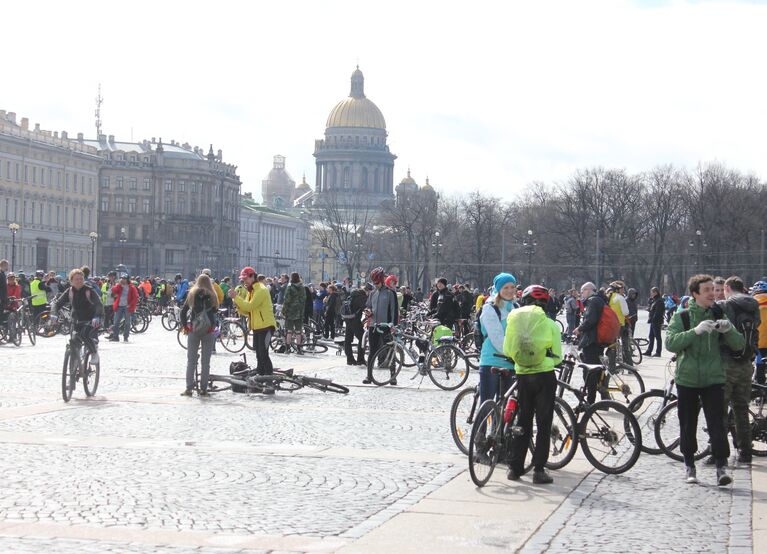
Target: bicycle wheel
<point>139,323</point>
<point>642,342</point>
<point>232,336</point>
<point>169,322</point>
<point>181,338</point>
<point>563,439</point>
<point>646,407</point>
<point>324,385</point>
<point>758,432</point>
<point>386,364</point>
<point>625,384</point>
<point>68,374</point>
<point>462,416</point>
<point>14,329</point>
<point>287,384</point>
<point>31,333</point>
<point>667,434</point>
<point>447,367</point>
<point>485,443</point>
<point>91,373</point>
<point>636,353</point>
<point>606,443</point>
<point>472,360</point>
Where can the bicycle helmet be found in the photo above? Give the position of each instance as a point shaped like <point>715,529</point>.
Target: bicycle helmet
<point>535,294</point>
<point>178,276</point>
<point>759,287</point>
<point>391,281</point>
<point>377,276</point>
<point>39,273</point>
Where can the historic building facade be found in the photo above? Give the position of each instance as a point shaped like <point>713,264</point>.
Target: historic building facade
<point>166,208</point>
<point>353,160</point>
<point>272,241</point>
<point>279,190</point>
<point>48,195</point>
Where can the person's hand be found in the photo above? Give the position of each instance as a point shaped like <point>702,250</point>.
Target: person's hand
<point>187,329</point>
<point>576,332</point>
<point>232,293</point>
<point>705,326</point>
<point>723,325</point>
<point>96,322</point>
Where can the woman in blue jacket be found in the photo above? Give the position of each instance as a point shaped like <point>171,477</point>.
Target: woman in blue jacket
<point>492,320</point>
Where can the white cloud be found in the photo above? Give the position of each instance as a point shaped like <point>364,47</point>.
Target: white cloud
<point>490,94</point>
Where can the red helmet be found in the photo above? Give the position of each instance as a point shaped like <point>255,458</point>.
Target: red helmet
<point>535,294</point>
<point>247,272</point>
<point>391,281</point>
<point>377,276</point>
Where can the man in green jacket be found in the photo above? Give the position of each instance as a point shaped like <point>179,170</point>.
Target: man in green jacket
<point>693,335</point>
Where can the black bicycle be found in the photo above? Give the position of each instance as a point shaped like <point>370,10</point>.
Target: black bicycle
<point>80,361</point>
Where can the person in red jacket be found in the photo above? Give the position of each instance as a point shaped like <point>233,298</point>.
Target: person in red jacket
<point>125,296</point>
<point>14,293</point>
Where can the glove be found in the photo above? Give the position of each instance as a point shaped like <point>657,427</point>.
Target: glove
<point>723,325</point>
<point>705,326</point>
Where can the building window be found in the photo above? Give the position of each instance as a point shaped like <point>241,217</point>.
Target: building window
<point>146,205</point>
<point>119,204</point>
<point>132,183</point>
<point>168,206</point>
<point>181,185</point>
<point>75,176</point>
<point>168,185</point>
<point>105,182</point>
<point>193,207</point>
<point>146,183</point>
<point>34,175</point>
<point>131,205</point>
<point>145,231</point>
<point>119,182</point>
<point>90,185</point>
<point>181,206</point>
<point>66,182</point>
<point>194,186</point>
<point>347,177</point>
<point>17,173</point>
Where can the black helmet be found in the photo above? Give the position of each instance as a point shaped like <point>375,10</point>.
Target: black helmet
<point>178,276</point>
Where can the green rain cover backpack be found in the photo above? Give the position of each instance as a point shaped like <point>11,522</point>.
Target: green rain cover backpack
<point>529,336</point>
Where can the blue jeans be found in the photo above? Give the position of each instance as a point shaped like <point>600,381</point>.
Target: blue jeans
<point>122,313</point>
<point>488,384</point>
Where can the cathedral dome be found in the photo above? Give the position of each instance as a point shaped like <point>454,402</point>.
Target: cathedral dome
<point>357,110</point>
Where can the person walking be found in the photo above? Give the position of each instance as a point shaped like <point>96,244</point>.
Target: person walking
<point>293,307</point>
<point>199,319</point>
<point>656,309</point>
<point>693,335</point>
<point>125,297</point>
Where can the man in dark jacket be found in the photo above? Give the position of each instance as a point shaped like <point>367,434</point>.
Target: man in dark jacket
<point>591,350</point>
<point>383,307</point>
<point>353,327</point>
<point>443,305</point>
<point>631,318</point>
<point>293,307</point>
<point>657,309</point>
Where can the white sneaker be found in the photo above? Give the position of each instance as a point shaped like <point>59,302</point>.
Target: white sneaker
<point>691,478</point>
<point>94,358</point>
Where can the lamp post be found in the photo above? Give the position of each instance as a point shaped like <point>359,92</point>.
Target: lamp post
<point>323,255</point>
<point>276,262</point>
<point>249,252</point>
<point>529,244</point>
<point>14,227</point>
<point>93,236</point>
<point>436,245</point>
<point>123,239</point>
<point>698,243</point>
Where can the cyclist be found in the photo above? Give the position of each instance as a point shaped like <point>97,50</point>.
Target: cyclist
<point>591,350</point>
<point>759,291</point>
<point>382,304</point>
<point>182,287</point>
<point>492,322</point>
<point>87,310</point>
<point>255,301</point>
<point>14,293</point>
<point>39,293</point>
<point>529,330</point>
<point>293,311</point>
<point>442,304</point>
<point>617,302</point>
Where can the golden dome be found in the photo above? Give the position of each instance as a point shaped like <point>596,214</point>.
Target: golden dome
<point>408,180</point>
<point>356,111</point>
<point>427,186</point>
<point>303,185</point>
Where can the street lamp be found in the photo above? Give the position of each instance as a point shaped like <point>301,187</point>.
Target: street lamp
<point>249,252</point>
<point>14,227</point>
<point>436,245</point>
<point>276,261</point>
<point>323,255</point>
<point>529,244</point>
<point>93,236</point>
<point>123,239</point>
<point>699,243</point>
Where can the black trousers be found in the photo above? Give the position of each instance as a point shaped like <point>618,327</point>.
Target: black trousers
<point>536,398</point>
<point>591,355</point>
<point>375,340</point>
<point>655,337</point>
<point>760,373</point>
<point>330,326</point>
<point>712,400</point>
<point>354,329</point>
<point>261,340</point>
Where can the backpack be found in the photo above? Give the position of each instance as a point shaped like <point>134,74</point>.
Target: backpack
<point>608,327</point>
<point>346,308</point>
<point>528,336</point>
<point>479,337</point>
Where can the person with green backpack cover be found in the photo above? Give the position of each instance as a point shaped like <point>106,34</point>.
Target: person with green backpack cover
<point>534,342</point>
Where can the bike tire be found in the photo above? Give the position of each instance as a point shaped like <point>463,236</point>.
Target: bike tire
<point>323,385</point>
<point>14,330</point>
<point>31,334</point>
<point>287,384</point>
<point>169,323</point>
<point>564,436</point>
<point>642,342</point>
<point>233,337</point>
<point>646,408</point>
<point>636,353</point>
<point>67,382</point>
<point>625,384</point>
<point>485,443</point>
<point>758,433</point>
<point>444,367</point>
<point>386,364</point>
<point>667,434</point>
<point>181,338</point>
<point>603,421</point>
<point>91,373</point>
<point>462,413</point>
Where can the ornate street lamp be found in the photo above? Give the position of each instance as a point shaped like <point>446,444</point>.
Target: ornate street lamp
<point>14,227</point>
<point>93,236</point>
<point>529,244</point>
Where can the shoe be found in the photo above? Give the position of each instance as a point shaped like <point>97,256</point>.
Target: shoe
<point>744,457</point>
<point>366,381</point>
<point>540,477</point>
<point>362,362</point>
<point>267,391</point>
<point>393,382</point>
<point>351,362</point>
<point>722,479</point>
<point>512,475</point>
<point>648,354</point>
<point>94,358</point>
<point>113,339</point>
<point>125,339</point>
<point>187,392</point>
<point>657,354</point>
<point>203,393</point>
<point>710,461</point>
<point>692,476</point>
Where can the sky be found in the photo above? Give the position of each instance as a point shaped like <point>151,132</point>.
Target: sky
<point>477,95</point>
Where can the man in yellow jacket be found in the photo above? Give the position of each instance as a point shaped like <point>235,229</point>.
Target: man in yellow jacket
<point>257,305</point>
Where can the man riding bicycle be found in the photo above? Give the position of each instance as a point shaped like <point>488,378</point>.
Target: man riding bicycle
<point>87,309</point>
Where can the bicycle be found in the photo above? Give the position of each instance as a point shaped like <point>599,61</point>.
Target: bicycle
<point>171,317</point>
<point>78,356</point>
<point>622,384</point>
<point>11,330</point>
<point>440,363</point>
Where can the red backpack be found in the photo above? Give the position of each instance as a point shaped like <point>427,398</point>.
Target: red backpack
<point>608,327</point>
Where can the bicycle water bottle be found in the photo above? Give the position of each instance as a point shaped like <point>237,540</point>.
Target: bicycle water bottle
<point>511,408</point>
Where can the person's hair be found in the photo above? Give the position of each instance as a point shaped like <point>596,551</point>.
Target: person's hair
<point>655,290</point>
<point>719,280</point>
<point>442,280</point>
<point>260,278</point>
<point>295,277</point>
<point>332,288</point>
<point>324,285</point>
<point>4,263</point>
<point>86,271</point>
<point>693,285</point>
<point>203,283</point>
<point>227,279</point>
<point>735,283</point>
<point>75,271</point>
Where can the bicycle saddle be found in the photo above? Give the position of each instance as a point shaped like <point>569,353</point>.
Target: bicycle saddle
<point>591,367</point>
<point>443,340</point>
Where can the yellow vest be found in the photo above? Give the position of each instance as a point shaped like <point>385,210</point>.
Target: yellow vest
<point>615,304</point>
<point>39,297</point>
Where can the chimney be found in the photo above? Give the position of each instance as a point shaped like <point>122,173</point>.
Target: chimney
<point>37,127</point>
<point>79,137</point>
<point>220,155</point>
<point>64,135</point>
<point>111,139</point>
<point>25,123</point>
<point>153,141</point>
<point>55,134</point>
<point>12,117</point>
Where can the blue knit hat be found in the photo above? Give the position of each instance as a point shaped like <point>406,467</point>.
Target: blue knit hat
<point>503,279</point>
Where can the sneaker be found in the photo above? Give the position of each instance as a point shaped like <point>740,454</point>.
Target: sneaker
<point>113,339</point>
<point>125,339</point>
<point>366,381</point>
<point>648,354</point>
<point>393,382</point>
<point>187,392</point>
<point>744,457</point>
<point>722,479</point>
<point>94,358</point>
<point>203,393</point>
<point>540,477</point>
<point>692,476</point>
<point>512,475</point>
